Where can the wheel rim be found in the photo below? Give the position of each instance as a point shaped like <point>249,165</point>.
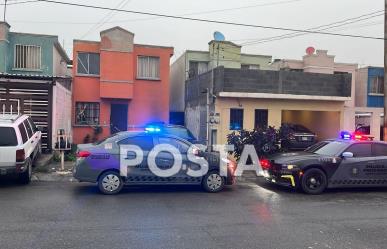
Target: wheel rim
<point>315,181</point>
<point>214,182</point>
<point>111,183</point>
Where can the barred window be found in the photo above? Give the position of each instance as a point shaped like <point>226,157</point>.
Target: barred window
<point>236,119</point>
<point>28,57</point>
<point>88,63</point>
<point>148,67</point>
<point>377,85</point>
<point>86,113</point>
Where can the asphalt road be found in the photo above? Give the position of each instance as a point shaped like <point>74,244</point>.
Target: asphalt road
<point>249,215</point>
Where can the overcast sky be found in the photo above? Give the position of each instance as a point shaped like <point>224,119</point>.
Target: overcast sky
<point>70,23</point>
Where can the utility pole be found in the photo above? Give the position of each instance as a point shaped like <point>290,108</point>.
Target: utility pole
<point>5,8</point>
<point>385,70</point>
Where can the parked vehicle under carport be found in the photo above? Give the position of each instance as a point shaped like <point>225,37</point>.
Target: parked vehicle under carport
<point>297,137</point>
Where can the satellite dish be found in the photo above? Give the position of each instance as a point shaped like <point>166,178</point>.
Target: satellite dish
<point>218,36</point>
<point>310,50</point>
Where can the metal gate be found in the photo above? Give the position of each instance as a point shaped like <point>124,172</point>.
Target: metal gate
<point>33,99</point>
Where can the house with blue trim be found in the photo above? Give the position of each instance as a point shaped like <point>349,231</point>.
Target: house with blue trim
<point>370,98</point>
<point>35,80</point>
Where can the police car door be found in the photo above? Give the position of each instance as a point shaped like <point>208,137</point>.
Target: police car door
<point>139,173</point>
<point>166,160</point>
<point>353,171</point>
<point>379,151</point>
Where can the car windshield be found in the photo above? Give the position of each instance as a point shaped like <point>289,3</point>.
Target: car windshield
<point>7,137</point>
<point>300,128</point>
<point>327,148</point>
<point>180,132</point>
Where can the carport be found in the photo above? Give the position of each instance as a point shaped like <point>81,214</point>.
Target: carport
<point>325,124</point>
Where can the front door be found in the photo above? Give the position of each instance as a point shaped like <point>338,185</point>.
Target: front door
<point>165,161</point>
<point>118,118</point>
<point>357,171</point>
<point>139,173</point>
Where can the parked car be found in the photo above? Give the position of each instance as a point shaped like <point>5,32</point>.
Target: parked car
<point>297,137</point>
<point>335,163</point>
<point>100,163</point>
<point>20,145</point>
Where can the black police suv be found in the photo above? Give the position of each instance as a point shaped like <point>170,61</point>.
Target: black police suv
<point>330,164</point>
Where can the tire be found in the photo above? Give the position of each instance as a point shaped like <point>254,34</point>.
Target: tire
<point>25,177</point>
<point>213,182</point>
<point>314,181</point>
<point>110,183</point>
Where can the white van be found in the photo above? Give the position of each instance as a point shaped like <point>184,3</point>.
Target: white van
<point>20,145</point>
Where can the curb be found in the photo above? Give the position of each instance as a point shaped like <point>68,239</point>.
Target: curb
<point>53,177</point>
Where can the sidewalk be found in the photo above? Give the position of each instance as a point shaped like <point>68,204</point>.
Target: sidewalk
<point>53,173</point>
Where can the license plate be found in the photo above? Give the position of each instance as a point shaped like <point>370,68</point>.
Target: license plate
<point>3,171</point>
<point>305,138</point>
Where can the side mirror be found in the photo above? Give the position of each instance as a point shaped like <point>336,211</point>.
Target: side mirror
<point>347,154</point>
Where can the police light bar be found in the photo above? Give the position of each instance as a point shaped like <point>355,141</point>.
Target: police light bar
<point>152,129</point>
<point>346,135</point>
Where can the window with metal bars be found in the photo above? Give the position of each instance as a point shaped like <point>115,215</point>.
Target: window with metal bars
<point>27,57</point>
<point>236,119</point>
<point>86,113</point>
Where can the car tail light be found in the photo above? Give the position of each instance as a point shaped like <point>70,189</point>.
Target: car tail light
<point>20,155</point>
<point>231,164</point>
<point>265,164</point>
<point>292,137</point>
<point>83,154</point>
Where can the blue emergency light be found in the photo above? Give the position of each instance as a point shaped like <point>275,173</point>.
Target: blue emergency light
<point>152,129</point>
<point>345,135</point>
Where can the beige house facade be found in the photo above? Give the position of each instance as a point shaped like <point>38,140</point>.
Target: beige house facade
<point>193,63</point>
<point>288,93</point>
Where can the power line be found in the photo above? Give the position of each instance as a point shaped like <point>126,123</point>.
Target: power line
<point>22,2</point>
<point>105,18</point>
<point>213,21</point>
<point>184,14</point>
<point>319,28</point>
<point>220,10</point>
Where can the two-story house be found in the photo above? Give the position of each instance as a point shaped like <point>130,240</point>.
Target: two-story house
<point>34,80</point>
<point>370,99</point>
<point>118,85</point>
<point>289,93</point>
<point>192,63</point>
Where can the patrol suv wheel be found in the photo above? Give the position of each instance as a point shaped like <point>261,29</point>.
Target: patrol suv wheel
<point>110,183</point>
<point>213,182</point>
<point>314,181</point>
<point>25,177</point>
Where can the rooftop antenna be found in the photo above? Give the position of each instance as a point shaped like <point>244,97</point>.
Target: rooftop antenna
<point>5,8</point>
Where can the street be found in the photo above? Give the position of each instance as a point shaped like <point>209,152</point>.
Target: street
<point>251,214</point>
